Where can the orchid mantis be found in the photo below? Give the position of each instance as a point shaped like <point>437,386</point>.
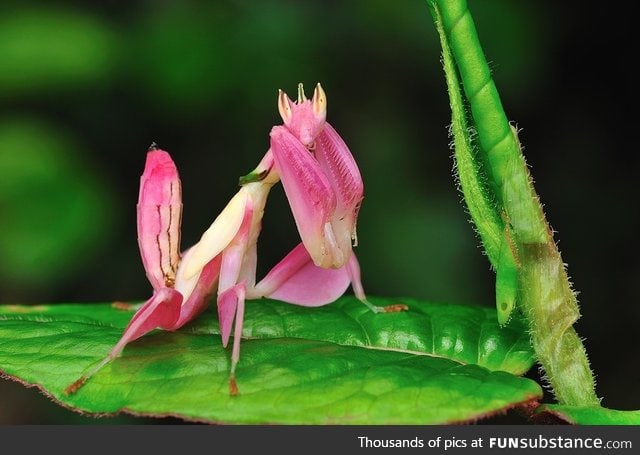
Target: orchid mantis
<point>324,188</point>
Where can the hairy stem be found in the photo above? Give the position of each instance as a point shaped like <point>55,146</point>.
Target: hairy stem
<point>469,169</point>
<point>543,292</point>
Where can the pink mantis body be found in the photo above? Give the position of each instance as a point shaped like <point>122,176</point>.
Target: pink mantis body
<point>324,187</point>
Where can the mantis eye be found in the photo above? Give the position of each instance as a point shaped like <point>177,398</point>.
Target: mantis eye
<point>284,107</point>
<point>319,102</point>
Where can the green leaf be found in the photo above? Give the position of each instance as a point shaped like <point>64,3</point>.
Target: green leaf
<point>435,363</point>
<point>590,415</point>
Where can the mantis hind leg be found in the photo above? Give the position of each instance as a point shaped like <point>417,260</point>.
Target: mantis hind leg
<point>231,306</point>
<point>353,268</point>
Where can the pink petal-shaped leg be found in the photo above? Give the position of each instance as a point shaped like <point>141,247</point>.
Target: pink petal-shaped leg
<point>296,279</point>
<point>310,195</point>
<point>230,303</point>
<point>160,311</point>
<point>227,309</point>
<point>234,254</point>
<point>200,296</point>
<point>231,294</point>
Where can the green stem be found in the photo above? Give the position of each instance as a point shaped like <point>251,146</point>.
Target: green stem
<point>542,290</point>
<point>482,207</point>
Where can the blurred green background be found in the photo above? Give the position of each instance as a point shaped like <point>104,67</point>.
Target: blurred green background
<point>85,88</point>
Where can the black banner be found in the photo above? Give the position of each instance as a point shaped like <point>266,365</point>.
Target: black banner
<point>281,440</point>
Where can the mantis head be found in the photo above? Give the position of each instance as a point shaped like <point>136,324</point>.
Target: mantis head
<point>304,118</point>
